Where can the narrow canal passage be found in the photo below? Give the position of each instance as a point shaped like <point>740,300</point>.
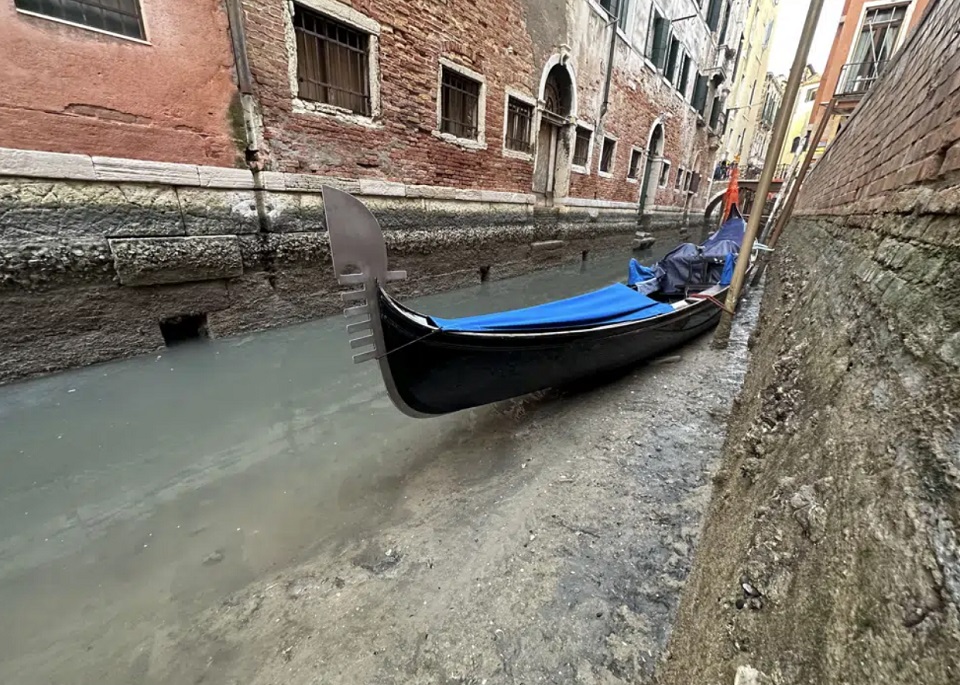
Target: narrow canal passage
<point>137,494</point>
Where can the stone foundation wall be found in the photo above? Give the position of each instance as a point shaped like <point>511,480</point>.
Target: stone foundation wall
<point>831,553</point>
<point>96,252</point>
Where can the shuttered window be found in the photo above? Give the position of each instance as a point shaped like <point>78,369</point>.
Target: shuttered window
<point>114,16</point>
<point>657,38</point>
<point>332,62</point>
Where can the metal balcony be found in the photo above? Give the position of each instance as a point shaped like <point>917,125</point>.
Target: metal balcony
<point>857,78</point>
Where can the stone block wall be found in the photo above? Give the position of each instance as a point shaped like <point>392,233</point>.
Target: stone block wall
<point>831,553</point>
<point>96,252</point>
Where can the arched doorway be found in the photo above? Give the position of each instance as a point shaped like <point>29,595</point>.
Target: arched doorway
<point>651,174</point>
<point>551,174</point>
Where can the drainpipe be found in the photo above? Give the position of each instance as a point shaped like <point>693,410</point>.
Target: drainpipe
<point>610,55</point>
<point>251,124</point>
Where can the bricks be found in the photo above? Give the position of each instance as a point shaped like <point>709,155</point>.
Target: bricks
<point>490,37</point>
<point>914,113</point>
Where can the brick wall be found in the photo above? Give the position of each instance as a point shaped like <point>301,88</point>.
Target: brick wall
<point>493,38</point>
<point>77,90</point>
<point>831,551</point>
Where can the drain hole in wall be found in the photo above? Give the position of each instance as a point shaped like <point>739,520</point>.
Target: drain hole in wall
<point>180,329</point>
<point>484,273</point>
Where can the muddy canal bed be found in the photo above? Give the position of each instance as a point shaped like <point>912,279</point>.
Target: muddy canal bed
<point>553,551</point>
<point>254,511</point>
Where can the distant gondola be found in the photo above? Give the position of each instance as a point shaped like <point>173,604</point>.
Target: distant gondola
<point>434,366</point>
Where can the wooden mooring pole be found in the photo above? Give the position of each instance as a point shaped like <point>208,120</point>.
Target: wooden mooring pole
<point>722,335</point>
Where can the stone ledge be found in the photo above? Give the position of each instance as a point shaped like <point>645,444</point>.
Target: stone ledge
<point>37,164</point>
<point>156,261</point>
<point>597,204</point>
<point>138,171</point>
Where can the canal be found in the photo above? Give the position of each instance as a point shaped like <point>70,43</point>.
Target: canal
<point>137,494</point>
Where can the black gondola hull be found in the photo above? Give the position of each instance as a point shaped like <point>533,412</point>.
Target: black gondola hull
<point>438,372</point>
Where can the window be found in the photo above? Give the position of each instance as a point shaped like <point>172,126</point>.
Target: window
<point>519,126</point>
<point>672,56</point>
<point>713,14</point>
<point>657,37</point>
<point>687,176</point>
<point>664,173</point>
<point>459,104</point>
<point>581,149</point>
<point>716,112</point>
<point>795,146</point>
<point>699,100</point>
<point>606,155</point>
<point>618,7</point>
<point>635,157</point>
<point>811,95</point>
<point>332,62</point>
<point>678,184</point>
<point>121,17</point>
<point>684,76</point>
<point>694,184</point>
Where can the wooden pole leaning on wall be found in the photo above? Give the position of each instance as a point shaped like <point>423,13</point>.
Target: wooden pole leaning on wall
<point>787,212</point>
<point>722,336</point>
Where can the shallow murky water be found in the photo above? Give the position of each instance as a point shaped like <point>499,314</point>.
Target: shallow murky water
<point>137,493</point>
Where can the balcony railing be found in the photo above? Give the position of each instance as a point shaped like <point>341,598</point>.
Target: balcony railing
<point>857,78</point>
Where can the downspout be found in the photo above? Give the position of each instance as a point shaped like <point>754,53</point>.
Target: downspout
<point>251,123</point>
<point>609,77</point>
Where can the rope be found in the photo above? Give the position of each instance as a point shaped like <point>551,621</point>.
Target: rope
<point>712,300</point>
<point>407,344</point>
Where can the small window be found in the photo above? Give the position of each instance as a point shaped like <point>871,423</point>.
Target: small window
<point>811,95</point>
<point>635,158</point>
<point>581,149</point>
<point>683,79</point>
<point>795,146</point>
<point>672,58</point>
<point>459,104</point>
<point>332,62</point>
<point>687,176</point>
<point>606,156</point>
<point>621,8</point>
<point>694,184</point>
<point>657,38</point>
<point>678,182</point>
<point>121,17</point>
<point>519,125</point>
<point>664,174</point>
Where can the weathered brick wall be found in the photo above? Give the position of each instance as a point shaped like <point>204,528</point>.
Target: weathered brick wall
<point>508,42</point>
<point>831,553</point>
<point>76,90</point>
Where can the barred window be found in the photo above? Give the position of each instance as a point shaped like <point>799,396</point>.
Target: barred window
<point>606,155</point>
<point>664,174</point>
<point>581,150</point>
<point>459,104</point>
<point>634,170</point>
<point>332,62</point>
<point>121,17</point>
<point>519,125</point>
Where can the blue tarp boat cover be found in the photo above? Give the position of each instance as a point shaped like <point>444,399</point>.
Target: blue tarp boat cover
<point>701,266</point>
<point>613,304</point>
<point>639,273</point>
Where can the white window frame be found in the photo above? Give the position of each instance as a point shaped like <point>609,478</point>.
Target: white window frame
<point>356,20</point>
<point>585,170</point>
<point>613,158</point>
<point>143,18</point>
<point>635,179</point>
<point>534,124</point>
<point>480,143</point>
<point>664,172</point>
<point>876,4</point>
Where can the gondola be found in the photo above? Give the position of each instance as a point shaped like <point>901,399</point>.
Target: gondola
<point>433,366</point>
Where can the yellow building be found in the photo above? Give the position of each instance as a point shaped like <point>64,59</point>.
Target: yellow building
<point>747,92</point>
<point>799,130</point>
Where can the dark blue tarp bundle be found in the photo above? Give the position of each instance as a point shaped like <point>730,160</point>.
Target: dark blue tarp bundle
<point>689,265</point>
<point>614,304</point>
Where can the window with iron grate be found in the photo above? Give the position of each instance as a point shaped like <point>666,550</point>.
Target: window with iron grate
<point>581,149</point>
<point>121,17</point>
<point>459,104</point>
<point>332,62</point>
<point>519,125</point>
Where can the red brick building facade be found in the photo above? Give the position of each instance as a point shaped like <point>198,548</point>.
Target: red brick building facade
<point>513,53</point>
